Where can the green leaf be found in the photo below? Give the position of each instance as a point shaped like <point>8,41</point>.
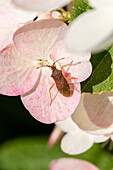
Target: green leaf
<point>79,7</point>
<point>101,79</point>
<point>31,153</point>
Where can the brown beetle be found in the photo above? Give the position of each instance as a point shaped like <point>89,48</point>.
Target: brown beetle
<point>61,82</point>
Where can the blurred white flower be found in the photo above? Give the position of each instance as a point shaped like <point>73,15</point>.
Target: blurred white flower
<point>93,30</point>
<point>41,5</point>
<point>101,3</point>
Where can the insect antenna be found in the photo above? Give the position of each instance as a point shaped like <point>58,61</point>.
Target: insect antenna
<point>43,66</point>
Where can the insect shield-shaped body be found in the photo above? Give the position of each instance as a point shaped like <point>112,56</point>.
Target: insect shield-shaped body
<point>62,84</point>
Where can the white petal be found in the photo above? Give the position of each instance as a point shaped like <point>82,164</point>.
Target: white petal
<point>101,3</point>
<point>99,139</point>
<point>76,143</point>
<point>41,5</point>
<point>91,31</point>
<point>67,125</point>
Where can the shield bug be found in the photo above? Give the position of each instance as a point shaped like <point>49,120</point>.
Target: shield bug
<point>60,80</point>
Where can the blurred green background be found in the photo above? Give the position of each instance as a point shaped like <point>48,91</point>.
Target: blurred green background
<point>23,141</point>
<point>16,121</point>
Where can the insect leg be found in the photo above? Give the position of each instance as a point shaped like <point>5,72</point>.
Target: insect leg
<point>50,93</point>
<point>75,82</point>
<point>66,65</point>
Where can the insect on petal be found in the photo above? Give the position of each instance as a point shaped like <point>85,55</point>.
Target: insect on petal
<point>37,101</point>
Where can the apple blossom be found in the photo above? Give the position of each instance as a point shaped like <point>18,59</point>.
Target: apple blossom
<point>77,141</point>
<point>91,122</point>
<point>96,117</point>
<point>33,45</point>
<point>41,5</point>
<point>10,20</point>
<point>93,30</point>
<point>72,164</point>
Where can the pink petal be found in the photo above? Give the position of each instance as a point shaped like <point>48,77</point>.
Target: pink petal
<point>76,143</point>
<point>41,5</point>
<point>81,67</point>
<point>38,100</point>
<point>72,164</point>
<point>80,117</point>
<point>17,75</point>
<point>99,108</point>
<point>36,39</point>
<point>55,136</point>
<point>10,20</point>
<point>59,49</point>
<point>81,71</point>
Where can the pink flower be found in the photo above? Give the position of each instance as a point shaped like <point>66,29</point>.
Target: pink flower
<point>76,141</point>
<point>96,117</point>
<point>41,5</point>
<point>10,20</point>
<point>33,45</point>
<point>91,122</point>
<point>72,164</point>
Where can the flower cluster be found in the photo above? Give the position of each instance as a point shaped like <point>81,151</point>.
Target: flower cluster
<point>38,44</point>
<point>32,55</point>
<point>91,122</point>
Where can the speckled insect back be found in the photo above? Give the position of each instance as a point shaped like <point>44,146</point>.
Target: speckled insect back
<point>62,84</point>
